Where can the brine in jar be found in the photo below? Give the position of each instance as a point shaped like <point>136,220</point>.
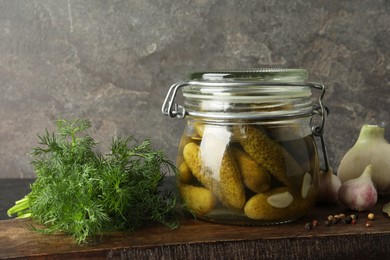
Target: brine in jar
<point>247,173</point>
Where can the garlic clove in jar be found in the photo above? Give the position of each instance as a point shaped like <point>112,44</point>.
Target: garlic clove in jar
<point>359,193</point>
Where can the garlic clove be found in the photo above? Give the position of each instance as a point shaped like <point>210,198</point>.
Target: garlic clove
<point>280,200</point>
<point>306,184</point>
<point>359,193</point>
<point>329,185</point>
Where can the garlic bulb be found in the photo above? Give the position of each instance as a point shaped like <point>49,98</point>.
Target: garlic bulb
<point>328,185</point>
<point>360,193</point>
<point>386,208</point>
<point>370,148</point>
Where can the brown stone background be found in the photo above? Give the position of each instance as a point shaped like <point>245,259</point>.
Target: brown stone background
<point>112,62</point>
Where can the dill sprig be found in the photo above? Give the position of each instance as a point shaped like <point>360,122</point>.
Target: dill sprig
<point>83,193</point>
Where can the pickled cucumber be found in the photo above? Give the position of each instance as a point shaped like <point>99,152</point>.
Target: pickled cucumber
<point>254,176</point>
<point>225,182</point>
<point>268,153</point>
<point>199,200</point>
<point>259,208</point>
<point>185,174</point>
<point>191,154</point>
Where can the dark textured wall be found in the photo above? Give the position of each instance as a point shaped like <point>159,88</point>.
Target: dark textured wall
<point>112,62</point>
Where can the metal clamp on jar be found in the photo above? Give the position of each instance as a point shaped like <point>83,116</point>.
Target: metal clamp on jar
<point>247,155</point>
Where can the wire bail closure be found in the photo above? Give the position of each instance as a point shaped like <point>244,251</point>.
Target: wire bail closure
<point>323,112</point>
<point>169,107</point>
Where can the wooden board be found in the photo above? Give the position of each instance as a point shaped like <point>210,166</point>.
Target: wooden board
<point>197,239</point>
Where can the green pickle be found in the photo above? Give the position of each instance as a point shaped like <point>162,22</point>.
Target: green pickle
<point>247,174</point>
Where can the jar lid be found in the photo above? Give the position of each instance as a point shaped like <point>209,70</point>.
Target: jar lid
<point>248,94</point>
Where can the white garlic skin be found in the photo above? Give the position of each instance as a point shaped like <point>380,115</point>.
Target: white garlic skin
<point>360,193</point>
<point>370,148</point>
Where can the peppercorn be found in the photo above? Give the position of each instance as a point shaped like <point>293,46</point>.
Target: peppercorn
<point>314,223</point>
<point>327,223</point>
<point>335,220</point>
<point>369,223</point>
<point>347,220</point>
<point>353,221</point>
<point>308,225</point>
<point>370,216</point>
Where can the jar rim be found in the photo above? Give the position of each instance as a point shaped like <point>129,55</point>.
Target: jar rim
<point>254,74</point>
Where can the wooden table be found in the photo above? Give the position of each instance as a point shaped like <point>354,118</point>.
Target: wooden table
<point>197,239</point>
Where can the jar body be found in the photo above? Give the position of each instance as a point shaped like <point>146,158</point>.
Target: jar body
<point>248,172</point>
<point>247,155</point>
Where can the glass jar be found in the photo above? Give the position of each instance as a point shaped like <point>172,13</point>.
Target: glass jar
<point>247,155</point>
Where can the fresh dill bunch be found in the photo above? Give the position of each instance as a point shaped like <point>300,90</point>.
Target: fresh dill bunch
<point>83,193</point>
